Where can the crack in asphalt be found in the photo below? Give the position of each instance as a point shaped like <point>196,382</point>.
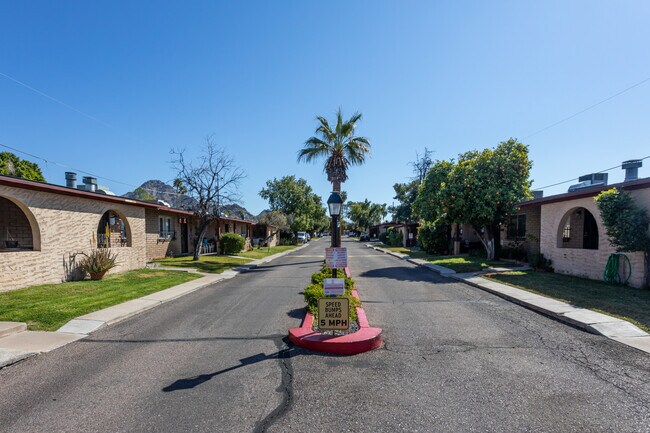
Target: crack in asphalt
<point>285,387</point>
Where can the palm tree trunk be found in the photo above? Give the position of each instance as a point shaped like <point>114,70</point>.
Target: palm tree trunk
<point>336,186</point>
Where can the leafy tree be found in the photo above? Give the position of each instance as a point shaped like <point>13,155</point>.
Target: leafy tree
<point>365,213</point>
<point>405,194</point>
<point>626,224</point>
<point>427,205</point>
<point>339,146</point>
<point>213,181</point>
<point>179,186</point>
<point>296,199</point>
<point>142,194</point>
<point>483,187</point>
<point>12,165</point>
<point>275,218</point>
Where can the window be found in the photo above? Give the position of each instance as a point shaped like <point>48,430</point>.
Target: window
<point>516,227</point>
<point>243,230</point>
<point>165,228</point>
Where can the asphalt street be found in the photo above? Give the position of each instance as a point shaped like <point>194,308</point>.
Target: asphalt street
<point>455,359</point>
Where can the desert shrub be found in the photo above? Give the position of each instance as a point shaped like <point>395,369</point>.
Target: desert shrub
<point>232,243</point>
<point>434,238</point>
<point>97,263</point>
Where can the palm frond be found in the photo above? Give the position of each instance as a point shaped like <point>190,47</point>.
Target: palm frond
<point>313,148</point>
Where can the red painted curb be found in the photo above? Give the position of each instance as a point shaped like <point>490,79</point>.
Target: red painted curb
<point>364,340</point>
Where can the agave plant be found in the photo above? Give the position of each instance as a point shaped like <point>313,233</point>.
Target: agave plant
<point>98,262</point>
<point>339,146</point>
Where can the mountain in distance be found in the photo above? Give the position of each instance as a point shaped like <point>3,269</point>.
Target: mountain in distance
<point>153,190</point>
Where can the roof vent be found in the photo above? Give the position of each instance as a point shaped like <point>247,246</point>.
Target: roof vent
<point>71,179</point>
<point>631,168</point>
<point>589,181</point>
<point>538,194</point>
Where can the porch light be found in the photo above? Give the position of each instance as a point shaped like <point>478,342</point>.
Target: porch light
<point>334,203</point>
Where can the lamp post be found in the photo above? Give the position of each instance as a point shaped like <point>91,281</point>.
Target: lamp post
<point>335,204</point>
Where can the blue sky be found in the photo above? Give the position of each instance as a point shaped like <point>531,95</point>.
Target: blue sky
<point>449,75</point>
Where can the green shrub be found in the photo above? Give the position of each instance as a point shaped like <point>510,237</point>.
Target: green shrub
<point>232,243</point>
<point>435,238</point>
<point>395,237</point>
<point>383,238</point>
<point>97,263</point>
<point>514,253</point>
<point>315,291</point>
<point>477,252</point>
<point>540,263</point>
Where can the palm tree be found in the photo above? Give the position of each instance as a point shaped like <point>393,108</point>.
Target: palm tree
<point>340,146</point>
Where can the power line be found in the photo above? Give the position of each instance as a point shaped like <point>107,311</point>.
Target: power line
<point>576,178</point>
<point>52,98</point>
<point>67,167</point>
<point>588,108</point>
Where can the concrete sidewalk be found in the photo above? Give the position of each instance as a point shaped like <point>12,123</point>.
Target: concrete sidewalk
<point>588,320</point>
<point>16,343</point>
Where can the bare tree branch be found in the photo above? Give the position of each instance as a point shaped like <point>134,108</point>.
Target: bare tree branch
<point>212,182</point>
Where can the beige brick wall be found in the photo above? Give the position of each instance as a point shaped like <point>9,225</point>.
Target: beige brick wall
<point>65,226</point>
<point>533,224</point>
<point>158,248</point>
<point>581,262</point>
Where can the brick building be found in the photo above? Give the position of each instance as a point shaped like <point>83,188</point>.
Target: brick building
<point>571,231</point>
<point>44,228</point>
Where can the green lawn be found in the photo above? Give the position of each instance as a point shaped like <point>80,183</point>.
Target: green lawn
<point>48,307</point>
<point>265,252</point>
<point>623,302</point>
<point>457,263</point>
<point>210,264</point>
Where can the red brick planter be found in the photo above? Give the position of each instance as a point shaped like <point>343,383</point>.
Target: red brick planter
<point>364,340</point>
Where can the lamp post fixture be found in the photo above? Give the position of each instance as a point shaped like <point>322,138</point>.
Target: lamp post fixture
<point>335,204</point>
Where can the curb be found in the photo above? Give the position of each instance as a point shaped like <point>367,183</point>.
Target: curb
<point>83,326</point>
<point>587,320</point>
<point>365,339</point>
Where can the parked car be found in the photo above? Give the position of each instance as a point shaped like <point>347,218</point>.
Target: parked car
<point>302,237</point>
<point>364,237</point>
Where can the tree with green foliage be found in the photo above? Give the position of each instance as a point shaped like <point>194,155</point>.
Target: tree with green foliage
<point>296,199</point>
<point>12,165</point>
<point>275,218</point>
<point>339,146</point>
<point>405,194</point>
<point>480,189</point>
<point>626,224</point>
<point>365,213</point>
<point>484,187</point>
<point>179,186</point>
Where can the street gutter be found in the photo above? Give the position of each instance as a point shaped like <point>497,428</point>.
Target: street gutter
<point>587,320</point>
<point>23,344</point>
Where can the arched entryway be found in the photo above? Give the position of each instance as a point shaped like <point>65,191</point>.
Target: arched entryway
<point>19,230</point>
<point>113,230</point>
<point>578,229</point>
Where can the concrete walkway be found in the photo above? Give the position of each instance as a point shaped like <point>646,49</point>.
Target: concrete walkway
<point>16,343</point>
<point>596,323</point>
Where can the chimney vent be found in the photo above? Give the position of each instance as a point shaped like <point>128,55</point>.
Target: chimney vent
<point>631,168</point>
<point>90,183</point>
<point>71,179</point>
